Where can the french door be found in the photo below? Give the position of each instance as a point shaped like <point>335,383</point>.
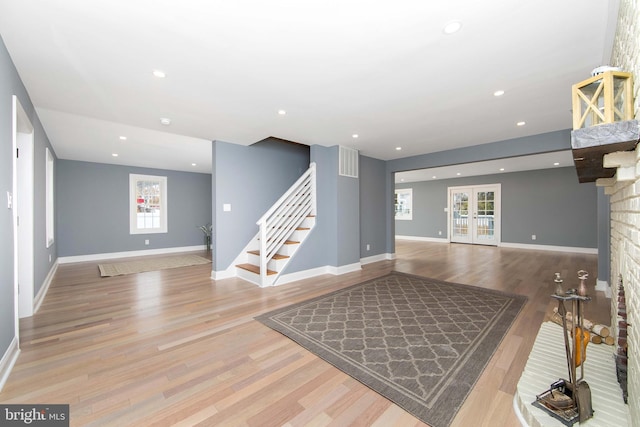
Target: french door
<point>474,214</point>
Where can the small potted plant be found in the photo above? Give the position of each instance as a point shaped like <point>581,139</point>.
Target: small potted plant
<point>207,229</point>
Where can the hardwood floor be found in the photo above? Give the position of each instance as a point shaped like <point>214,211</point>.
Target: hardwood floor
<point>174,347</point>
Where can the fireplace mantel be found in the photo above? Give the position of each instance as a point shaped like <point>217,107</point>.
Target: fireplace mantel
<point>593,145</point>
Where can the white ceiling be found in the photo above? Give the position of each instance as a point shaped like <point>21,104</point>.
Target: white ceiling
<point>381,69</point>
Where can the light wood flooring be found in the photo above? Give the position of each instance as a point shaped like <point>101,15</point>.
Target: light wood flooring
<point>174,347</point>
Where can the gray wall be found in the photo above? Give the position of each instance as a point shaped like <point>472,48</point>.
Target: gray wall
<point>535,144</point>
<point>92,215</point>
<point>549,203</point>
<point>250,179</point>
<point>335,240</point>
<point>604,236</point>
<point>10,84</point>
<point>373,206</point>
<point>319,249</point>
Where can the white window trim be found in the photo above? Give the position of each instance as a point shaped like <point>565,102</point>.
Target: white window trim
<point>49,197</point>
<point>133,205</point>
<point>409,216</point>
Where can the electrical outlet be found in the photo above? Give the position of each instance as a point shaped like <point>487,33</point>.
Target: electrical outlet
<point>49,257</point>
<point>368,247</point>
<point>533,237</point>
<point>146,242</point>
<point>440,233</point>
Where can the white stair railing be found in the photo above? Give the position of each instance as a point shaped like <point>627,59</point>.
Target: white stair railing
<point>285,216</point>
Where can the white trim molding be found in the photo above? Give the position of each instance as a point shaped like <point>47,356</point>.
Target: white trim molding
<point>603,286</point>
<point>37,301</point>
<point>377,258</point>
<point>8,360</point>
<point>571,249</point>
<point>423,239</point>
<point>128,254</point>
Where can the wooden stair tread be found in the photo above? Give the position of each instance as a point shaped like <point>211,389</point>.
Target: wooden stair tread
<point>255,269</point>
<point>276,256</point>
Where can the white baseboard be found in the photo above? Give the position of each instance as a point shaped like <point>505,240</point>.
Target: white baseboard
<point>301,275</point>
<point>376,258</point>
<point>603,286</point>
<point>344,269</point>
<point>8,360</point>
<point>551,248</point>
<point>423,239</point>
<point>572,249</point>
<point>37,301</point>
<point>128,254</point>
<point>224,274</point>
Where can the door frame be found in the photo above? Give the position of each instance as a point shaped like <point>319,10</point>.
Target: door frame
<point>473,188</point>
<point>23,211</point>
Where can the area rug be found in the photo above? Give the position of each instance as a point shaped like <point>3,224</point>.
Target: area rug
<point>421,343</point>
<point>150,264</point>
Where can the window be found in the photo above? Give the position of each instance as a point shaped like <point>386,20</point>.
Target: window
<point>49,221</point>
<point>147,204</point>
<point>403,203</point>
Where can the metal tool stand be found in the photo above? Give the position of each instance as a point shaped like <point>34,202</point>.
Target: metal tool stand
<point>570,400</point>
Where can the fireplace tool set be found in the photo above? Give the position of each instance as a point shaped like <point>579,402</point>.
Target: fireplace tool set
<point>570,400</point>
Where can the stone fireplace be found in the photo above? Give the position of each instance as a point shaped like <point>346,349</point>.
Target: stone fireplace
<point>625,215</point>
<point>621,354</point>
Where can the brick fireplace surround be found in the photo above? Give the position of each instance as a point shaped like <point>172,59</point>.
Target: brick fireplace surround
<point>625,209</point>
<point>624,197</point>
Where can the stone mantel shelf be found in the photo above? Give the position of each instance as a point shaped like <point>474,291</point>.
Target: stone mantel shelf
<point>600,152</point>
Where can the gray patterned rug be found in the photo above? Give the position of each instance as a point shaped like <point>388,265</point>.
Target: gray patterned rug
<point>421,343</point>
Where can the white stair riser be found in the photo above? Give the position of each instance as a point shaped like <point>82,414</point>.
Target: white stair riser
<point>299,235</point>
<point>288,250</point>
<point>308,222</point>
<point>274,264</point>
<point>254,278</point>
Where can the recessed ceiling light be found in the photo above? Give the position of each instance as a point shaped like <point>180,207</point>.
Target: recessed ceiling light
<point>165,121</point>
<point>521,123</point>
<point>498,93</point>
<point>401,179</point>
<point>501,169</point>
<point>355,135</point>
<point>452,27</point>
<point>433,177</point>
<point>123,138</point>
<point>458,174</point>
<point>159,74</point>
<point>398,148</point>
<point>282,112</point>
<point>193,164</point>
<point>115,154</point>
<point>556,164</point>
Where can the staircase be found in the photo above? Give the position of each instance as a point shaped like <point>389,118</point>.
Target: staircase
<point>281,232</point>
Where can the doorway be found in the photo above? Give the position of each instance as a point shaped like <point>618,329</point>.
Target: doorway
<point>23,187</point>
<point>474,214</point>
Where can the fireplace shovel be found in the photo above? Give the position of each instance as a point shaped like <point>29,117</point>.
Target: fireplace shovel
<point>570,400</point>
<point>582,392</point>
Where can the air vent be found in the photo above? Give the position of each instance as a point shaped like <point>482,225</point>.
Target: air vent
<point>348,160</point>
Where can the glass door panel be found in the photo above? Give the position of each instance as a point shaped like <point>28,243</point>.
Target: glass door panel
<point>474,214</point>
<point>460,230</point>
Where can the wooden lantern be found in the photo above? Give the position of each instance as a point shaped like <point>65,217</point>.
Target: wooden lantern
<point>604,98</point>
